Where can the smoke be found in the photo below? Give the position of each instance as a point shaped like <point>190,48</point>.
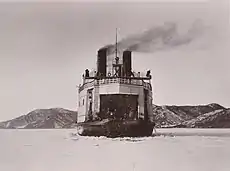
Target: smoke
<point>159,38</point>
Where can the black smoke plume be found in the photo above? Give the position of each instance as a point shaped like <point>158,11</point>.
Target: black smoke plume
<point>158,38</point>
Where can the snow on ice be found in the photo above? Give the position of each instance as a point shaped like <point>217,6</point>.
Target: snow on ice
<point>64,150</point>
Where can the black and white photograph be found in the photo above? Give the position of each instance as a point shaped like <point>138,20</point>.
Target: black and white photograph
<point>105,85</point>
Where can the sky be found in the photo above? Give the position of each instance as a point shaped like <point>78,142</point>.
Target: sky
<point>45,48</point>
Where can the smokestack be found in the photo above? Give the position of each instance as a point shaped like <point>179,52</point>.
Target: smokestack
<point>101,62</point>
<point>127,63</point>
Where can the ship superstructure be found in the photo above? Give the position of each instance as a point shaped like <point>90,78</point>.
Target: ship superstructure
<point>114,91</point>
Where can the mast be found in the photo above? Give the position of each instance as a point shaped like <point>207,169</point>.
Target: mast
<point>116,57</point>
<point>116,45</point>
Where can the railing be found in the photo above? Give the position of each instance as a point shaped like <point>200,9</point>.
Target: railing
<point>115,80</point>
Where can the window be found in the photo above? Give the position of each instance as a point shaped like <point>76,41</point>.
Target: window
<point>83,102</point>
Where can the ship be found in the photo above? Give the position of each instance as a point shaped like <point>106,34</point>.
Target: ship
<point>115,101</point>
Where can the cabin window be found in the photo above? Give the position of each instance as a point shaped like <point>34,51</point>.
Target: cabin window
<point>83,102</point>
<point>79,104</point>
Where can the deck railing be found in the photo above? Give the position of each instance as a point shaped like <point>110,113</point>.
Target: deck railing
<point>92,83</point>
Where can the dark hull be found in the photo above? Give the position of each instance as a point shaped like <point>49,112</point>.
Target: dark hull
<point>116,128</point>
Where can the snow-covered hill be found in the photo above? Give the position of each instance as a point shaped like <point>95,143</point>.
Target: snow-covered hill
<point>216,119</point>
<point>43,118</point>
<point>202,116</point>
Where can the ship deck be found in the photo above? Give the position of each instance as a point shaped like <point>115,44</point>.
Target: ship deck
<point>112,80</point>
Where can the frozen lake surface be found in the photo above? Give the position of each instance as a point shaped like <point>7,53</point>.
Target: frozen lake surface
<point>62,150</point>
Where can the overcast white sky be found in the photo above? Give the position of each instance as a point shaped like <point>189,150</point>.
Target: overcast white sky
<point>45,48</point>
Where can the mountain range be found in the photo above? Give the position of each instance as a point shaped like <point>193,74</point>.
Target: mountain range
<point>43,119</point>
<point>201,116</point>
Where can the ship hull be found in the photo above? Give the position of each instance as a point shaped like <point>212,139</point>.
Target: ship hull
<point>116,128</point>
